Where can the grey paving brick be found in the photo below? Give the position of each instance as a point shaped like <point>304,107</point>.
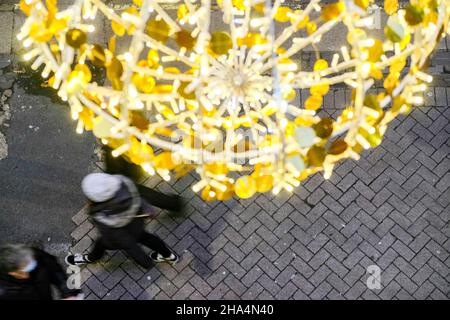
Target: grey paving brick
<point>317,243</point>
<point>406,283</point>
<point>82,245</point>
<point>183,277</point>
<point>419,242</point>
<point>404,295</point>
<point>235,285</point>
<point>440,96</point>
<point>334,235</point>
<point>284,243</point>
<point>150,293</point>
<point>318,259</point>
<point>80,216</point>
<point>347,182</point>
<point>184,292</point>
<point>97,287</point>
<point>218,260</point>
<point>379,183</point>
<point>200,220</point>
<point>131,286</point>
<point>440,282</point>
<point>349,196</point>
<point>421,258</point>
<point>196,296</point>
<point>335,295</point>
<point>356,291</point>
<point>300,295</point>
<point>266,204</point>
<point>268,268</point>
<point>251,259</point>
<point>366,219</point>
<point>313,182</point>
<point>168,289</point>
<point>183,228</point>
<point>233,236</point>
<point>316,197</point>
<point>133,270</point>
<point>267,251</point>
<point>267,235</point>
<point>355,274</point>
<point>321,291</point>
<point>440,267</point>
<point>286,292</point>
<point>302,267</point>
<point>252,292</point>
<point>335,251</point>
<point>401,234</point>
<point>400,219</point>
<point>217,244</point>
<point>115,293</point>
<point>331,190</point>
<point>352,243</point>
<point>337,267</point>
<point>437,250</point>
<point>390,290</point>
<point>250,212</point>
<point>320,275</point>
<point>114,278</point>
<point>201,286</point>
<point>251,276</point>
<point>231,295</point>
<point>405,267</point>
<point>92,296</point>
<point>285,276</point>
<point>337,283</point>
<point>424,290</point>
<point>269,284</point>
<point>317,227</point>
<point>437,295</point>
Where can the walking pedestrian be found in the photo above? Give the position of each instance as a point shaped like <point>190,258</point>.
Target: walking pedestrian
<point>28,273</point>
<point>118,211</point>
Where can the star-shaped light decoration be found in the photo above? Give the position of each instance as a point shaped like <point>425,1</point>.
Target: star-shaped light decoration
<point>188,95</point>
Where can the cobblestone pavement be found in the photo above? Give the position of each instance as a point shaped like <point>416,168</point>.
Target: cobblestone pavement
<point>390,209</point>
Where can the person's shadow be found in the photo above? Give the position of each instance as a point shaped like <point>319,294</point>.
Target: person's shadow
<point>118,165</point>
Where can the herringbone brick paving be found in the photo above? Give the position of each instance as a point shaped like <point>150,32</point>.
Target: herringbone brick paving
<point>390,208</point>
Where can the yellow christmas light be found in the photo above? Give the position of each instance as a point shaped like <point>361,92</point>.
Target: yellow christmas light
<point>185,96</point>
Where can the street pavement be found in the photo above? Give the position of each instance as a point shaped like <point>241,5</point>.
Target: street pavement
<point>389,210</point>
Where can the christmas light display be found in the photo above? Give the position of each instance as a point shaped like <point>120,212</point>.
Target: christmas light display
<point>184,96</point>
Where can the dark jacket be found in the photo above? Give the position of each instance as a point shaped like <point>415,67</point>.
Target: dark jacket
<point>48,272</point>
<point>124,237</point>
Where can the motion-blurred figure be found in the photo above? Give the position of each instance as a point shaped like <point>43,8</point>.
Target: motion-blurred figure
<point>29,273</point>
<point>117,210</point>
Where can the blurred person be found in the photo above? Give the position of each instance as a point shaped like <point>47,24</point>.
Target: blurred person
<point>118,211</point>
<point>28,273</point>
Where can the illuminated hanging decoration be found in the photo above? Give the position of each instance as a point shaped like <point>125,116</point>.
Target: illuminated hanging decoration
<point>184,96</point>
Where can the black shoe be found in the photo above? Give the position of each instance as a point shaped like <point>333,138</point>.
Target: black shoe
<point>77,259</point>
<point>172,259</point>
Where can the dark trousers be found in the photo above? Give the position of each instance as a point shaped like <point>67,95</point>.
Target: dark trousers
<point>134,251</point>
